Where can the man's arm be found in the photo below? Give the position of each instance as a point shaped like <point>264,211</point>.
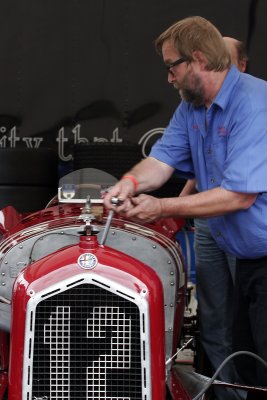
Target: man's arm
<point>147,175</point>
<point>211,203</point>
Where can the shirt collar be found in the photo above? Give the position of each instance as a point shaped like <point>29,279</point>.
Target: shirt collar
<point>226,89</point>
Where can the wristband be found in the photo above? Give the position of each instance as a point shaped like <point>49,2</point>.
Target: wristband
<point>133,179</point>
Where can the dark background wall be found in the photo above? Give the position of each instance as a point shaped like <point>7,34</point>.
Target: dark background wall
<point>86,71</point>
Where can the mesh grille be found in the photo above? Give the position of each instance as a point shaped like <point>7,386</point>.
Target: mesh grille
<point>87,346</point>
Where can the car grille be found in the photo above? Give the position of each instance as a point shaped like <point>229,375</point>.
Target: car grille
<point>86,345</point>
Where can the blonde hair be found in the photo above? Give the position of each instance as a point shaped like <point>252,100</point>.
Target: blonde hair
<point>197,34</point>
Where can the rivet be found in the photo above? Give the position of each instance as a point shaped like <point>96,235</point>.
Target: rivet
<point>3,284</point>
<point>133,238</point>
<point>6,262</point>
<point>3,273</point>
<point>113,233</point>
<point>154,246</point>
<point>21,247</point>
<point>172,273</point>
<point>172,283</point>
<point>169,262</point>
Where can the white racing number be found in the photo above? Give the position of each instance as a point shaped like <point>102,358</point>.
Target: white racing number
<point>118,356</point>
<point>57,335</point>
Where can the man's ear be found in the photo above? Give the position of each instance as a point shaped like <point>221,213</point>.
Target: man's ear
<point>243,65</point>
<point>200,58</point>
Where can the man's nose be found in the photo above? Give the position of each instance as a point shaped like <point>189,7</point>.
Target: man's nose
<point>171,77</point>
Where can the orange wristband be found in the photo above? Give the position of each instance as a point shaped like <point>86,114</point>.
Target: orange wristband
<point>133,179</point>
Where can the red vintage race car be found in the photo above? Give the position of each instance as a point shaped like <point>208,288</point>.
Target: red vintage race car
<point>91,305</point>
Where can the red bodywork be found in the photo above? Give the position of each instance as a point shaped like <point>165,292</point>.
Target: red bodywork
<point>57,268</point>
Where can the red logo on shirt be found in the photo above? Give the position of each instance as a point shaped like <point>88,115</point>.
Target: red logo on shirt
<point>223,131</point>
<point>196,128</point>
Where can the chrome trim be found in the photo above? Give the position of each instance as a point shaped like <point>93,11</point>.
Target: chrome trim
<point>140,299</point>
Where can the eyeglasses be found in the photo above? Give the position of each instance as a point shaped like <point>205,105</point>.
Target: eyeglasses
<point>175,63</point>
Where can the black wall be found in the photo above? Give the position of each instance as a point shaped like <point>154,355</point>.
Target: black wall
<point>85,70</point>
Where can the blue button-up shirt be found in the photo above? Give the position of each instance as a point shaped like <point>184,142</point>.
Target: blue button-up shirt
<point>226,146</point>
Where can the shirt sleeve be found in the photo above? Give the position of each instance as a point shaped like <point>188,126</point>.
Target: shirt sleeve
<point>173,147</point>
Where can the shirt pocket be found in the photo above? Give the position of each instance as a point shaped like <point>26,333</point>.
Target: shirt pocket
<point>218,157</point>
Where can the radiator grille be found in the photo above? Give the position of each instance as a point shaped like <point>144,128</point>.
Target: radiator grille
<point>87,345</point>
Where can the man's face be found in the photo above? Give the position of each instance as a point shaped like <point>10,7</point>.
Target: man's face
<point>183,76</point>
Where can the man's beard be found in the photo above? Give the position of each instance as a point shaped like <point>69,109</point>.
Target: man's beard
<point>194,95</point>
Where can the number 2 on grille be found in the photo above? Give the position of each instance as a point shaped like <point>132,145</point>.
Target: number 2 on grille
<point>118,356</point>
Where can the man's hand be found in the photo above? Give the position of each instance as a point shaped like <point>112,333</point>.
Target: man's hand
<point>145,209</point>
<point>124,191</point>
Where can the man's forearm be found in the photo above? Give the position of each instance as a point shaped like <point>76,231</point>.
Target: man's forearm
<point>150,174</point>
<point>211,203</point>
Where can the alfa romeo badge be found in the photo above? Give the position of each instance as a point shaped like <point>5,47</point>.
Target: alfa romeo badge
<point>87,261</point>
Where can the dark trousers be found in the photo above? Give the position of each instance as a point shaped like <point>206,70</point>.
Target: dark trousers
<point>250,322</point>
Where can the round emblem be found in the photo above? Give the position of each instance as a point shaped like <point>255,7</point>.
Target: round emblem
<point>87,261</point>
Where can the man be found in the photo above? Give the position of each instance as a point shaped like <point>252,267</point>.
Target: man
<point>215,272</point>
<point>218,134</point>
<point>238,53</point>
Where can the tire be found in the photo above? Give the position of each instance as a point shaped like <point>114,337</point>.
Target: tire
<point>26,198</point>
<point>171,188</point>
<point>28,167</point>
<point>28,178</point>
<point>114,158</point>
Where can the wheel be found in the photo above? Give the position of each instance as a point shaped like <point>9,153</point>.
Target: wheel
<point>28,178</point>
<point>28,167</point>
<point>118,158</point>
<point>114,158</point>
<point>26,198</point>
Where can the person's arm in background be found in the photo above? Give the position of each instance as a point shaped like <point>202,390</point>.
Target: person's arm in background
<point>189,188</point>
